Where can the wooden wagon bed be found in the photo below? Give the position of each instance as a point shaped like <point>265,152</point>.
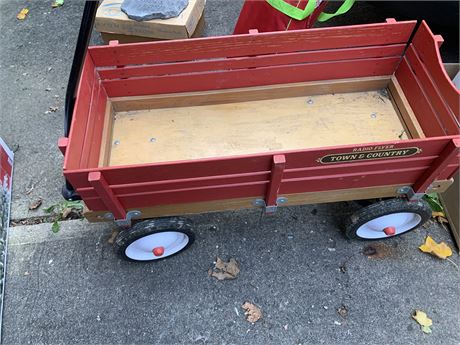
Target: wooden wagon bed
<point>216,123</point>
<point>253,120</point>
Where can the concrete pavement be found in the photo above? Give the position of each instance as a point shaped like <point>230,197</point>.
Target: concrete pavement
<point>70,288</point>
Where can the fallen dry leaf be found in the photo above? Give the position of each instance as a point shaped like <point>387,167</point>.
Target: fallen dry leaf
<point>441,250</point>
<point>252,312</point>
<point>36,204</point>
<point>423,320</point>
<point>343,311</point>
<point>66,212</point>
<point>57,3</point>
<point>113,236</point>
<point>435,214</point>
<point>440,217</point>
<point>442,220</point>
<point>22,14</point>
<point>225,270</point>
<point>29,189</point>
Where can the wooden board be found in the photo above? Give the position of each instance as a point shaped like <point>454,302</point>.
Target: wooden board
<point>270,75</point>
<point>254,93</point>
<point>244,203</point>
<point>427,46</point>
<point>407,116</point>
<point>184,133</point>
<point>267,60</point>
<point>106,135</point>
<point>124,38</point>
<point>254,44</point>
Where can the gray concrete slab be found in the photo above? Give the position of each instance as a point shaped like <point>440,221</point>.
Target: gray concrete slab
<point>70,288</point>
<point>35,59</point>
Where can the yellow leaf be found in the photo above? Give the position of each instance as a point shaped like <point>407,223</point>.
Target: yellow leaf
<point>22,14</point>
<point>437,214</point>
<point>422,319</point>
<point>426,329</point>
<point>441,250</point>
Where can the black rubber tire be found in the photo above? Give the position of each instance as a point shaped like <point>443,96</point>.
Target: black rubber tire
<point>149,227</point>
<point>383,208</point>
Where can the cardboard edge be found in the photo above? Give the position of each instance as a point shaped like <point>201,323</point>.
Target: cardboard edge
<point>178,29</point>
<point>195,17</point>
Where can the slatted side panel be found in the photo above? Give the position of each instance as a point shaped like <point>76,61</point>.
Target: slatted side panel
<point>83,106</point>
<point>252,45</point>
<point>430,92</point>
<point>428,52</point>
<point>252,60</point>
<point>95,141</point>
<point>94,127</point>
<point>251,77</point>
<point>184,182</point>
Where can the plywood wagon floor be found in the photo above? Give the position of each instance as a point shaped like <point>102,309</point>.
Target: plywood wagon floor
<point>184,133</point>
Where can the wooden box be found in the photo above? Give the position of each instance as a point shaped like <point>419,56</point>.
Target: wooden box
<point>111,20</point>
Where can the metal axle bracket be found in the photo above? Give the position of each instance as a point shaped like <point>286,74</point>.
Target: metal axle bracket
<point>409,193</point>
<point>124,223</point>
<point>271,208</point>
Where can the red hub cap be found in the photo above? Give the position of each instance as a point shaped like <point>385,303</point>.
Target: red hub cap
<point>389,230</point>
<point>158,251</point>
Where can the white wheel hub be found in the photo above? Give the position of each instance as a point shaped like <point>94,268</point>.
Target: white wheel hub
<point>157,246</point>
<point>399,222</point>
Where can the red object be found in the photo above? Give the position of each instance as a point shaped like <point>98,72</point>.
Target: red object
<point>260,15</point>
<point>389,230</point>
<point>62,144</point>
<point>428,88</point>
<point>158,251</point>
<point>449,157</point>
<point>253,60</point>
<point>6,169</point>
<point>103,190</point>
<point>279,162</point>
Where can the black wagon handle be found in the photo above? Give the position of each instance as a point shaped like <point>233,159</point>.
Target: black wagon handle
<point>84,35</point>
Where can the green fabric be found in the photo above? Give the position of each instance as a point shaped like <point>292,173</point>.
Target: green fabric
<point>347,4</point>
<point>292,11</point>
<point>299,14</point>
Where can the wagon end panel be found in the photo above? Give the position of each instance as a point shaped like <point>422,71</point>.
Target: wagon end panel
<point>425,83</point>
<point>74,143</point>
<point>81,147</point>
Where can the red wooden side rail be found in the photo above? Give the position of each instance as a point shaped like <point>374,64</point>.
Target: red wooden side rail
<point>250,176</point>
<point>429,90</point>
<point>253,60</point>
<point>449,156</point>
<point>252,45</point>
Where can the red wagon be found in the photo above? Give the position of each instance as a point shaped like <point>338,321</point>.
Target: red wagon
<point>265,120</point>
